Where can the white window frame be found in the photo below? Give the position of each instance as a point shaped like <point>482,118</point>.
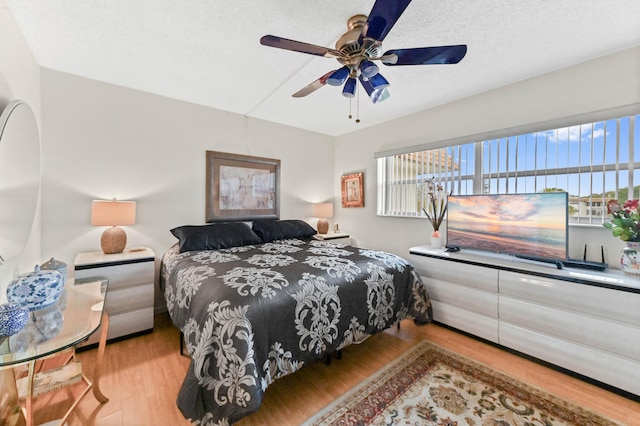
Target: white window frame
<point>403,197</point>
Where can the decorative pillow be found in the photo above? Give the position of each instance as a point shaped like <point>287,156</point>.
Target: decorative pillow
<point>272,229</point>
<point>214,236</point>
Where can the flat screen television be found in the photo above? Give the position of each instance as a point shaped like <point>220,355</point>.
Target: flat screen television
<point>533,226</point>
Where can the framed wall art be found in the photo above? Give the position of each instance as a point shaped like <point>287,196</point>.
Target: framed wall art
<point>241,187</point>
<point>353,190</point>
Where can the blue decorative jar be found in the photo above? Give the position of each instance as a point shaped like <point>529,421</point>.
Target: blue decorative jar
<point>36,290</point>
<point>13,318</point>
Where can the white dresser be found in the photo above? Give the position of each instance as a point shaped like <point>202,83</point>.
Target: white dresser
<point>584,321</point>
<point>130,295</point>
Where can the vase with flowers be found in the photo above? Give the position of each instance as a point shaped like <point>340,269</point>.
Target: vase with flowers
<point>626,225</point>
<point>436,209</point>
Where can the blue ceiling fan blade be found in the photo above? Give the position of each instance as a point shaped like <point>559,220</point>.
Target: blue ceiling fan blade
<point>383,16</point>
<point>425,55</point>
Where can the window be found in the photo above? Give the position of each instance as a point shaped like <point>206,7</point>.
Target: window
<point>594,162</point>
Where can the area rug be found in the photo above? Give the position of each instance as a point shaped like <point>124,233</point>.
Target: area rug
<point>429,385</point>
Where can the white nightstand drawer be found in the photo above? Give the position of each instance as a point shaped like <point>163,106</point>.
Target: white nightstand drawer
<point>138,297</point>
<point>130,294</point>
<point>121,276</point>
<point>124,324</point>
<point>131,322</point>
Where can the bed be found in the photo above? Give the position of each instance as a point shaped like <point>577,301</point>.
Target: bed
<point>258,303</point>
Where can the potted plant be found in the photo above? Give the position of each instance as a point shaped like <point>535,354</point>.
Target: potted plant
<point>436,209</point>
<point>626,225</point>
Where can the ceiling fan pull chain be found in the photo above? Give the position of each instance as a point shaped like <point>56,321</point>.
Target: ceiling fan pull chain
<point>350,116</point>
<point>357,106</point>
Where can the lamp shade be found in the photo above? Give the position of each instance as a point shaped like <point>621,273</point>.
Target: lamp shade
<point>113,213</point>
<point>323,210</point>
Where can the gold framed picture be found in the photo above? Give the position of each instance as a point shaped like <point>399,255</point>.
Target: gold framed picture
<point>353,190</point>
<point>241,187</point>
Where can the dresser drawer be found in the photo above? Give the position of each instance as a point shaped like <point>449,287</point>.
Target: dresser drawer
<point>474,276</point>
<point>619,306</point>
<point>470,322</point>
<point>471,299</point>
<point>582,329</point>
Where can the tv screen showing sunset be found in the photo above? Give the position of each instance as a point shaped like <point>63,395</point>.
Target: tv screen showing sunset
<point>532,225</point>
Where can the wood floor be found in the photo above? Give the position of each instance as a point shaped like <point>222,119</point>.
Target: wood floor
<point>142,376</point>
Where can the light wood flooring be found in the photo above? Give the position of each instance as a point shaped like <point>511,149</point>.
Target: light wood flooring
<point>142,376</point>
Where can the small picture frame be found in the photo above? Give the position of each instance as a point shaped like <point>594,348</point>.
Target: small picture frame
<point>353,190</point>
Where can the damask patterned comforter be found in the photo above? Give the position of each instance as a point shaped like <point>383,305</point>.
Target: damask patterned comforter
<point>252,314</point>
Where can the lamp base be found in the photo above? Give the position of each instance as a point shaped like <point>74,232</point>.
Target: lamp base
<point>323,226</point>
<point>113,240</point>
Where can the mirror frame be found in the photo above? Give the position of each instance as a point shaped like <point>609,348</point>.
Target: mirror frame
<point>19,177</point>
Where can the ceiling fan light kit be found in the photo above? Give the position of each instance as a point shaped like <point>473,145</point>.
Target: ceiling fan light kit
<point>360,46</point>
<point>338,76</point>
<point>378,82</point>
<point>368,69</point>
<point>375,95</point>
<point>349,89</point>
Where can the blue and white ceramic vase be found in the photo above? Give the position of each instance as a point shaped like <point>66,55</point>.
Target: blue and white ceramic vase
<point>13,318</point>
<point>630,259</point>
<point>36,290</point>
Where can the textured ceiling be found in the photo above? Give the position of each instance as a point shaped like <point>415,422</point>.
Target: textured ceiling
<point>208,51</point>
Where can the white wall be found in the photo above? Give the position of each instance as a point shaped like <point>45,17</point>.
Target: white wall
<point>102,141</point>
<point>601,84</point>
<point>19,79</point>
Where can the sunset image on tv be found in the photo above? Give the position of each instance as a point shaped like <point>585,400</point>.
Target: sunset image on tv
<point>533,225</point>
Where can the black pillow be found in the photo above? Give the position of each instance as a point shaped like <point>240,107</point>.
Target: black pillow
<point>271,229</point>
<point>214,236</point>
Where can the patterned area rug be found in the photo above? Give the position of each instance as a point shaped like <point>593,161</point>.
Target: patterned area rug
<point>429,385</point>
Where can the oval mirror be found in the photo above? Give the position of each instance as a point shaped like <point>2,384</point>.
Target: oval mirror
<point>19,177</point>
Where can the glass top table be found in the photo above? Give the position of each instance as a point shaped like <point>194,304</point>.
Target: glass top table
<point>70,321</point>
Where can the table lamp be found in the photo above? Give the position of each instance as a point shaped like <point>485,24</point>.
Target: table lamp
<point>113,214</point>
<point>323,211</point>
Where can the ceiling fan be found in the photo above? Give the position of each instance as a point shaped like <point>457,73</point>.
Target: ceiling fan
<point>360,46</point>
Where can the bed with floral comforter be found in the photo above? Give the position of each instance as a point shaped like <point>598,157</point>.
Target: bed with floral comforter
<point>253,313</point>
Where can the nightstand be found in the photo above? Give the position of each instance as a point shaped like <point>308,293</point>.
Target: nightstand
<point>130,298</point>
<point>334,237</point>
